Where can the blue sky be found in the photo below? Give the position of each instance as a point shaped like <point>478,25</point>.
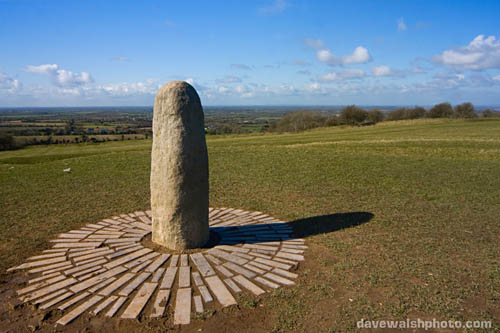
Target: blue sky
<point>276,52</point>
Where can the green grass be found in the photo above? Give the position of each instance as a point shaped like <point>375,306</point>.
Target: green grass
<point>433,187</point>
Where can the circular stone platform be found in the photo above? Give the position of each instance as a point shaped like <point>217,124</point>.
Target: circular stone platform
<point>105,269</point>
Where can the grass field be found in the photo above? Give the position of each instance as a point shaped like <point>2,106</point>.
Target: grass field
<point>431,187</point>
<point>58,139</point>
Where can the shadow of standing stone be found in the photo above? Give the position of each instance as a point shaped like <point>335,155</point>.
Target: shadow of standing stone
<point>321,224</point>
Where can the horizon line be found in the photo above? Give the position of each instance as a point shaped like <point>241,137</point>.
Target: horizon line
<point>246,105</point>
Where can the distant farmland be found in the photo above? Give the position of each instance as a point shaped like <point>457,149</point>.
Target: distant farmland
<point>59,139</point>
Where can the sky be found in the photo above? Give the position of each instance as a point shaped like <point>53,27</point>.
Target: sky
<point>262,52</point>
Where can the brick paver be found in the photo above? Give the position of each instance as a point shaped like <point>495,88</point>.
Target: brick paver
<point>103,266</point>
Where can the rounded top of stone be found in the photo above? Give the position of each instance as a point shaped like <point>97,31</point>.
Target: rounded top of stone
<point>178,93</point>
<point>176,87</point>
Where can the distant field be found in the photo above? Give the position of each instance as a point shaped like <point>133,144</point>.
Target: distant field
<point>430,251</point>
<point>37,139</point>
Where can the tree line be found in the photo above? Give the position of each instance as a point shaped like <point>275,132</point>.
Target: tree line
<point>353,115</point>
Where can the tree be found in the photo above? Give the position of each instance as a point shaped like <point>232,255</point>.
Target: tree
<point>489,113</point>
<point>332,121</point>
<point>465,110</point>
<point>375,116</point>
<point>69,127</point>
<point>406,113</point>
<point>443,110</point>
<point>416,113</point>
<point>7,142</point>
<point>298,121</point>
<point>353,115</point>
<point>398,114</point>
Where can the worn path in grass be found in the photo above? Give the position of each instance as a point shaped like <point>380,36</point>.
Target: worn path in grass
<point>430,249</point>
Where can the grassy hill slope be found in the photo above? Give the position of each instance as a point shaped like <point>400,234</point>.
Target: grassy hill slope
<point>429,251</point>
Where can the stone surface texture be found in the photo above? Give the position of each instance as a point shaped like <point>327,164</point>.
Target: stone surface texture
<point>179,169</point>
<point>128,280</point>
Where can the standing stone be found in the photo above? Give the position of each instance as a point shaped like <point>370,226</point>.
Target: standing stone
<point>179,169</point>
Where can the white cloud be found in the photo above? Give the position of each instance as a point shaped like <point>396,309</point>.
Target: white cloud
<point>8,83</point>
<point>253,90</point>
<point>314,43</point>
<point>42,69</point>
<point>352,73</point>
<point>148,87</point>
<point>277,7</point>
<point>125,93</point>
<point>61,77</point>
<point>383,70</point>
<point>244,91</point>
<point>349,86</point>
<point>446,81</point>
<point>314,86</point>
<point>478,79</point>
<point>346,74</point>
<point>359,56</point>
<point>240,88</point>
<point>481,53</point>
<point>70,91</point>
<point>327,57</point>
<point>401,25</point>
<point>222,89</point>
<point>348,89</point>
<point>285,90</point>
<point>332,76</point>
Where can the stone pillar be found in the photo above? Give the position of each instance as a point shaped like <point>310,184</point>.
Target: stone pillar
<point>179,169</point>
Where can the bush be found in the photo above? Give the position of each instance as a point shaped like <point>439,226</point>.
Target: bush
<point>416,113</point>
<point>398,114</point>
<point>406,113</point>
<point>465,110</point>
<point>443,110</point>
<point>375,116</point>
<point>7,142</point>
<point>489,113</point>
<point>352,115</point>
<point>298,121</point>
<point>332,121</point>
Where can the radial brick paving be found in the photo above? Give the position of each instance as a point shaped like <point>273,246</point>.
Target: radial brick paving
<point>104,269</point>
